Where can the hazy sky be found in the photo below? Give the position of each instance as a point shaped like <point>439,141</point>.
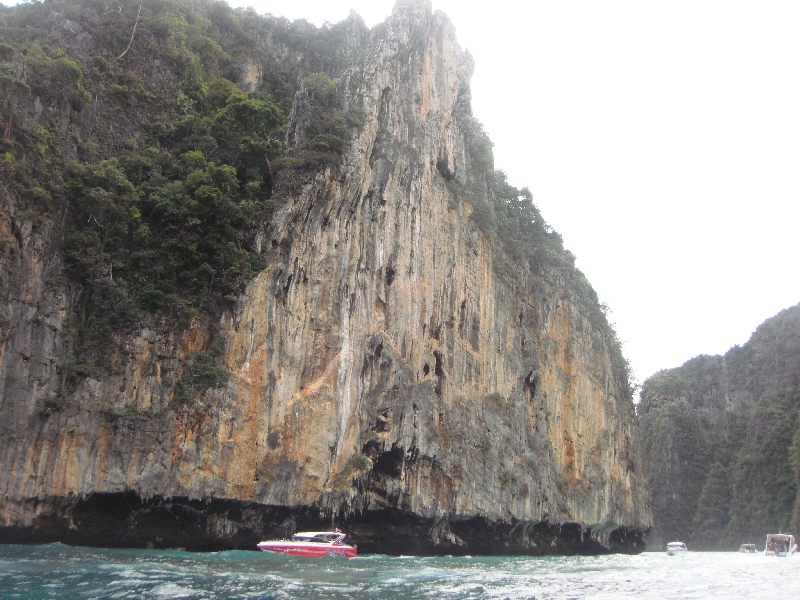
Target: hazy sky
<point>661,139</point>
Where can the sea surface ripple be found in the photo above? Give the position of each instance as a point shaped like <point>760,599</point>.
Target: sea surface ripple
<point>59,571</point>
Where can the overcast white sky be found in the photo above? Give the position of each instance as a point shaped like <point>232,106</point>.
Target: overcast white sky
<point>661,139</point>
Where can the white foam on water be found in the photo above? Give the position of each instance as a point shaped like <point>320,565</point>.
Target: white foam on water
<point>172,590</point>
<point>126,583</point>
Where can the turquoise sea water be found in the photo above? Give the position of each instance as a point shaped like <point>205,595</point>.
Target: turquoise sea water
<point>58,571</point>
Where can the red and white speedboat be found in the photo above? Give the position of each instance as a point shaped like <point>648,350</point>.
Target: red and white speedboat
<point>312,543</point>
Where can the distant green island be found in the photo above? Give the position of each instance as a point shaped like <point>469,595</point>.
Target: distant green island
<point>721,442</point>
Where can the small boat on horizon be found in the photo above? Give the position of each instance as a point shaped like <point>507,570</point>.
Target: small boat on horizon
<point>313,543</point>
<point>748,548</point>
<point>674,548</point>
<point>780,544</point>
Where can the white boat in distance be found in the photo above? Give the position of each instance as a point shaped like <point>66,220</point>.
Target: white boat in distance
<point>674,548</point>
<point>748,548</point>
<point>780,544</point>
<point>312,543</point>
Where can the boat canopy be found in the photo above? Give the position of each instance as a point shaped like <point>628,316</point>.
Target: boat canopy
<point>324,537</point>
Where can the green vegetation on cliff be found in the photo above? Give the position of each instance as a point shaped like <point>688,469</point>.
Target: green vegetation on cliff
<point>157,164</point>
<point>721,441</point>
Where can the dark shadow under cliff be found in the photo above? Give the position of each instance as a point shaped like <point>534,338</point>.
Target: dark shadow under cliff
<point>125,520</point>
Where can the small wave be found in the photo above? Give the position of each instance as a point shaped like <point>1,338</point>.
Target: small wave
<point>54,545</point>
<point>172,590</point>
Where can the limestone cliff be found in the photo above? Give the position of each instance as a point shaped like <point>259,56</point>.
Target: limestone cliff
<point>387,370</point>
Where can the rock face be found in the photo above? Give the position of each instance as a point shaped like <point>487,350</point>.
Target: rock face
<point>384,374</point>
<point>720,438</point>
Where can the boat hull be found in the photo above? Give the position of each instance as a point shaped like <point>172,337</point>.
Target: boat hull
<point>315,550</point>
